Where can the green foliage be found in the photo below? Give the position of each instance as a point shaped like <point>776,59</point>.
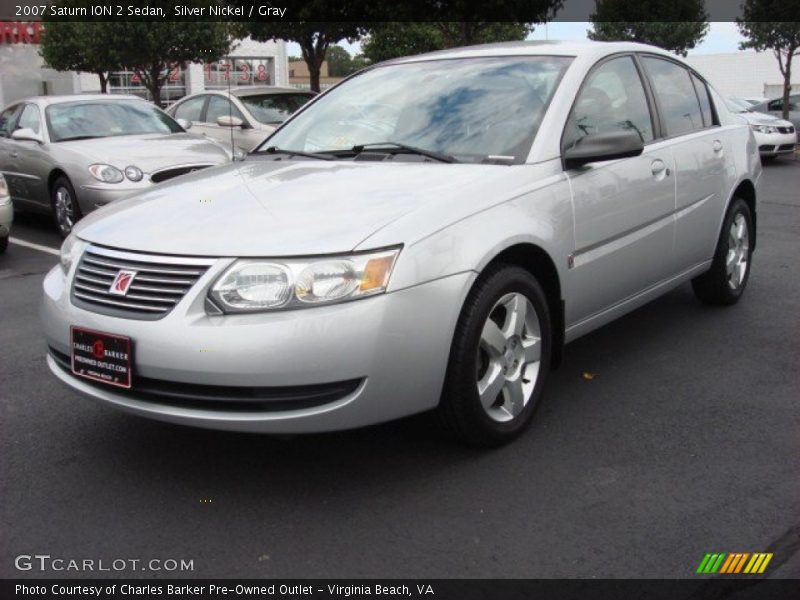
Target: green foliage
<point>676,26</point>
<point>391,40</point>
<point>152,48</point>
<point>781,36</point>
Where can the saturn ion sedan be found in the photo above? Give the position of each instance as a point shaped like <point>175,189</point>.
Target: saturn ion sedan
<point>427,235</point>
<point>68,155</point>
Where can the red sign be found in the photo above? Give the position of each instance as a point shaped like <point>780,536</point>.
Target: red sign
<point>20,32</point>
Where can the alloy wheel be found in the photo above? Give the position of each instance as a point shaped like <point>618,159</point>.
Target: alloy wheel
<point>738,252</point>
<point>509,357</point>
<point>65,210</point>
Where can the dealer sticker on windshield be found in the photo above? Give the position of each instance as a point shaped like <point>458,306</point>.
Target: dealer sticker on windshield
<point>102,357</point>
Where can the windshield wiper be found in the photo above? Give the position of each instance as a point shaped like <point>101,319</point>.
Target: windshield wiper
<point>276,150</point>
<point>378,146</point>
<point>80,137</point>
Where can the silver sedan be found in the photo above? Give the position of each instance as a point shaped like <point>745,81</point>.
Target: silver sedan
<point>71,154</point>
<point>427,235</point>
<point>246,115</point>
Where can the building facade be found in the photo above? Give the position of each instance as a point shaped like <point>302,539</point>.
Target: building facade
<point>23,73</point>
<point>744,74</point>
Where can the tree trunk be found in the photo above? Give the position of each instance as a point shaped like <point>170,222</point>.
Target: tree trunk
<point>103,82</point>
<point>314,55</point>
<point>787,84</point>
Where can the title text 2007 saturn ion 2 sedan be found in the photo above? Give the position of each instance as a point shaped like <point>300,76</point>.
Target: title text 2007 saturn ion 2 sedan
<point>426,235</point>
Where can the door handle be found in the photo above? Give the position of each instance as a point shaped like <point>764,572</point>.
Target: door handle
<point>717,146</point>
<point>658,167</point>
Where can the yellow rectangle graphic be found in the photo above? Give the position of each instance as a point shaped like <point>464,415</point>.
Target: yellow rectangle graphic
<point>765,563</point>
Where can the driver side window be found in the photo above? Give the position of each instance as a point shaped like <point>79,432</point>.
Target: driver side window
<point>612,99</point>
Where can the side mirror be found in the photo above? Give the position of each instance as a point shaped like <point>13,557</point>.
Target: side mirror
<point>27,135</point>
<point>229,121</point>
<point>603,146</point>
<point>186,124</point>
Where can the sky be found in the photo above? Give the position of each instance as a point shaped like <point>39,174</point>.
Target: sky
<point>721,37</point>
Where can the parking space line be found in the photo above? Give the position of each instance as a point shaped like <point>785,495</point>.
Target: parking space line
<point>39,247</point>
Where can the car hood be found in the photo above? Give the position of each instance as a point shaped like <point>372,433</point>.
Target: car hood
<point>150,152</point>
<point>757,118</point>
<point>281,208</point>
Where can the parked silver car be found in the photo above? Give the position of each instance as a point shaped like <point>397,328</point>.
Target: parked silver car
<point>247,115</point>
<point>529,193</point>
<point>71,154</point>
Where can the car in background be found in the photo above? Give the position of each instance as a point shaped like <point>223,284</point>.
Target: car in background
<point>774,136</point>
<point>775,108</point>
<point>247,115</point>
<point>343,275</point>
<point>68,155</point>
<point>6,214</point>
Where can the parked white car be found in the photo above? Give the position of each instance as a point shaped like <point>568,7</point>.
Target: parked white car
<point>246,115</point>
<point>774,136</point>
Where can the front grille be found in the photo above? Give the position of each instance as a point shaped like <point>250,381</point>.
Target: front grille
<point>165,174</point>
<point>224,398</point>
<point>785,129</point>
<point>159,284</point>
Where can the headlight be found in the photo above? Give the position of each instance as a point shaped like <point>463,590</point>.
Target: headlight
<point>133,173</point>
<point>106,173</point>
<point>764,128</point>
<point>5,195</point>
<point>251,285</point>
<point>68,252</point>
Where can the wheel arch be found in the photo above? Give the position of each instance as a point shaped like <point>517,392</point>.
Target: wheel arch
<point>538,262</point>
<point>55,174</point>
<point>747,192</point>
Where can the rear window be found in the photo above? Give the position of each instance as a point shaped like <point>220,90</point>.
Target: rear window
<point>680,108</point>
<point>272,109</point>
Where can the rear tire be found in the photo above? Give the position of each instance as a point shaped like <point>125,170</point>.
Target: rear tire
<point>3,244</point>
<point>499,359</point>
<point>65,207</point>
<point>724,283</point>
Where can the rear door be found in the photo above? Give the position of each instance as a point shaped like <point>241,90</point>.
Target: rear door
<point>700,148</point>
<point>623,208</point>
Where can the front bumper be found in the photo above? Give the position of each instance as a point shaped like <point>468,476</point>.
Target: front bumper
<point>392,348</point>
<point>93,196</point>
<point>774,144</point>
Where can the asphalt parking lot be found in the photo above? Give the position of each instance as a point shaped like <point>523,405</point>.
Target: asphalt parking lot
<point>685,441</point>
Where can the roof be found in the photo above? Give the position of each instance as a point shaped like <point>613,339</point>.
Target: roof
<point>539,48</point>
<point>47,100</point>
<point>265,89</point>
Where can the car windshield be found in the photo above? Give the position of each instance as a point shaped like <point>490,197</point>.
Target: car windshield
<point>272,109</point>
<point>84,120</point>
<point>471,109</point>
<point>736,105</point>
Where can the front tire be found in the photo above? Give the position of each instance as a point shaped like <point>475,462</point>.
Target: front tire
<point>66,210</point>
<point>499,359</point>
<point>724,283</point>
<point>3,244</point>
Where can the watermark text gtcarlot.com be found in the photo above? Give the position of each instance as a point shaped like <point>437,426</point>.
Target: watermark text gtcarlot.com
<point>46,563</point>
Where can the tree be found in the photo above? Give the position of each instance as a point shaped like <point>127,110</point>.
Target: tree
<point>391,40</point>
<point>781,37</point>
<point>314,38</point>
<point>340,63</point>
<point>676,26</point>
<point>81,46</point>
<point>154,49</point>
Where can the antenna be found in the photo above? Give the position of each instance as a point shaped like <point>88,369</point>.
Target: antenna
<point>230,107</point>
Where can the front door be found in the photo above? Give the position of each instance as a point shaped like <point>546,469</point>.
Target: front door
<point>623,208</point>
